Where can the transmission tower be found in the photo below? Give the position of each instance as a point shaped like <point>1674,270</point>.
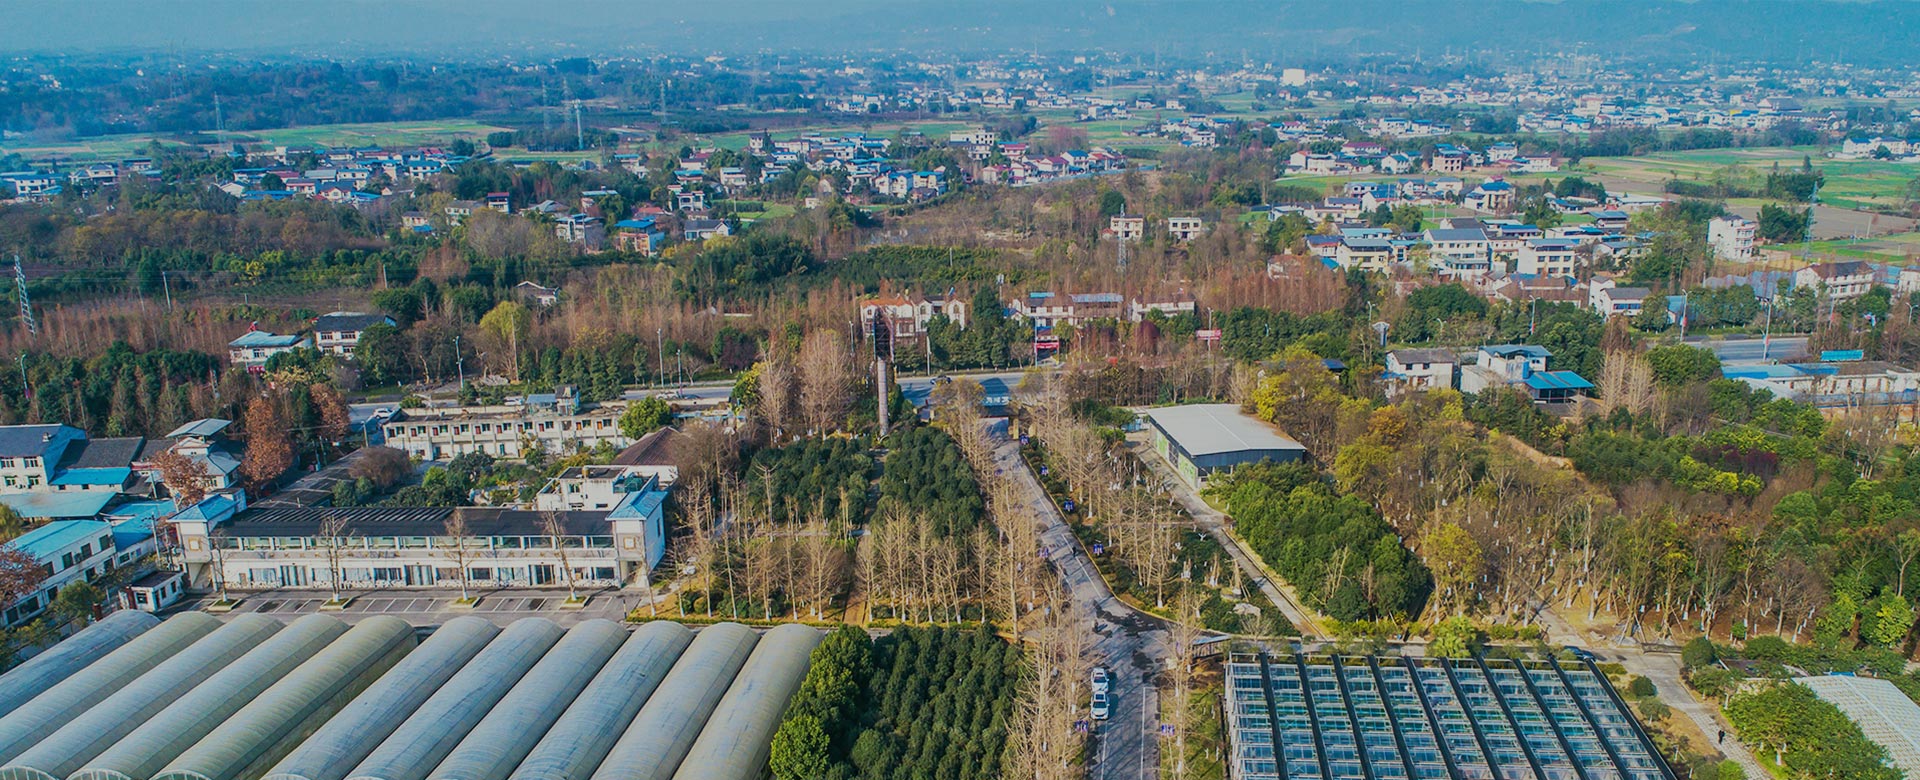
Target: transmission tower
<point>26,306</point>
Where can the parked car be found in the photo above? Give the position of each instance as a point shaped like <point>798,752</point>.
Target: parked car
<point>1101,707</point>
<point>1101,681</point>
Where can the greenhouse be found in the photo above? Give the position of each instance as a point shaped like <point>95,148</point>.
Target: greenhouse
<point>192,698</point>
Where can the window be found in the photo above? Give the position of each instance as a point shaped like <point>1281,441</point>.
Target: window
<point>31,462</point>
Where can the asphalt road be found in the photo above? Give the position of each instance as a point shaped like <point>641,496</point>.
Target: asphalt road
<point>1752,349</point>
<point>1130,644</point>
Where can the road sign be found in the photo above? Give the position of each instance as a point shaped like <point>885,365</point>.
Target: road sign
<point>1207,335</point>
<point>1067,505</point>
<point>1099,549</point>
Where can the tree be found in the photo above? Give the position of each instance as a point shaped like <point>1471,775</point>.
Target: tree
<point>333,533</point>
<point>827,380</point>
<point>20,574</point>
<point>1454,558</point>
<point>508,324</point>
<point>1455,637</point>
<point>1888,620</point>
<point>331,408</point>
<point>184,477</point>
<point>1780,225</point>
<point>76,602</point>
<point>381,354</point>
<point>799,749</point>
<point>645,416</point>
<point>554,526</point>
<point>269,444</point>
<point>459,548</point>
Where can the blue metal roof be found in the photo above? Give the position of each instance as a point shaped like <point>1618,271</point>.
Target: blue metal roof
<point>261,338</point>
<point>58,506</point>
<point>112,477</point>
<point>130,533</point>
<point>47,541</point>
<point>1509,350</point>
<point>1557,380</point>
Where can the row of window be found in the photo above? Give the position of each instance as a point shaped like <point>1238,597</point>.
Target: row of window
<point>527,426</point>
<point>417,542</point>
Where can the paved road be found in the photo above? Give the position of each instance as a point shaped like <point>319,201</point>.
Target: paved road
<point>1214,523</point>
<point>1130,644</point>
<point>1752,349</point>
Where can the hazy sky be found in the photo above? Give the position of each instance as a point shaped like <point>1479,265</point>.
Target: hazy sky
<point>1788,29</point>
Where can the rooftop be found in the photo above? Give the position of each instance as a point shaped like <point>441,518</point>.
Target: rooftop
<point>1883,713</point>
<point>58,506</point>
<point>47,541</point>
<point>1209,429</point>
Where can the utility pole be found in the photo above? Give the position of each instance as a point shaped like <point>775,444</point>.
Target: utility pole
<point>460,361</point>
<point>579,133</point>
<point>165,285</point>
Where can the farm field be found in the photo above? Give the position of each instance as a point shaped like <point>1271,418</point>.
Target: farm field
<point>116,147</point>
<point>1850,183</point>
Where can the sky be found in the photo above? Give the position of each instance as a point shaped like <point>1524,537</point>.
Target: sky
<point>1271,30</point>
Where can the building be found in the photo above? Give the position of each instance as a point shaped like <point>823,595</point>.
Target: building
<point>1548,257</point>
<point>337,333</point>
<point>1346,716</point>
<point>1732,238</point>
<point>273,547</point>
<point>1460,253</point>
<point>1203,439</point>
<point>581,230</point>
<point>1611,300</point>
<point>1185,228</point>
<point>1410,370</point>
<point>1169,305</point>
<point>68,551</point>
<point>252,350</point>
<point>1884,714</point>
<point>537,294</point>
<point>1842,281</point>
<point>201,441</point>
<point>703,229</point>
<point>590,488</point>
<point>554,422</point>
<point>1127,227</point>
<point>1832,383</point>
<point>1523,366</point>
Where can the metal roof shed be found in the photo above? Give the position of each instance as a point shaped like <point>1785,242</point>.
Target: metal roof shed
<point>285,714</point>
<point>47,669</point>
<point>105,723</point>
<point>353,734</point>
<point>36,719</point>
<point>667,726</point>
<point>738,738</point>
<point>166,735</point>
<point>579,741</point>
<point>515,725</point>
<point>432,731</point>
<point>1201,438</point>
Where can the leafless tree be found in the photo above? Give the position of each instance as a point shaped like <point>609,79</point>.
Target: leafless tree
<point>554,526</point>
<point>459,548</point>
<point>1182,632</point>
<point>217,558</point>
<point>827,377</point>
<point>334,534</point>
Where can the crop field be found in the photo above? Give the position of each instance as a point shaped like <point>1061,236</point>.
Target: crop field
<point>1850,183</point>
<point>117,147</point>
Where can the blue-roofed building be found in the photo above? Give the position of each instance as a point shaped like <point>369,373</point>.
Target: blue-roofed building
<point>253,348</point>
<point>68,551</point>
<point>46,505</point>
<point>29,453</point>
<point>1523,366</point>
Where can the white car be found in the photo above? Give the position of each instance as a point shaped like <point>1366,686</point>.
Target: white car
<point>1101,707</point>
<point>1101,681</point>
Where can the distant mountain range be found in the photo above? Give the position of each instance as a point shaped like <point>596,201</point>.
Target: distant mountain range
<point>1785,31</point>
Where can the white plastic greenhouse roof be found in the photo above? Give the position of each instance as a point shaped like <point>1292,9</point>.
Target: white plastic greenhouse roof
<point>1883,713</point>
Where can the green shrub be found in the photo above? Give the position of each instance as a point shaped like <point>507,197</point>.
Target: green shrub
<point>1697,653</point>
<point>1641,687</point>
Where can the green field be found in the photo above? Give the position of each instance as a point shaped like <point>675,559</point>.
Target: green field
<point>1850,183</point>
<point>116,147</point>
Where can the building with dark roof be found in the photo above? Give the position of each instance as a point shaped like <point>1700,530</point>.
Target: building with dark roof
<point>339,332</point>
<point>270,547</point>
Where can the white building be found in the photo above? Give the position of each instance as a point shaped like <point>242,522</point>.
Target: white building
<point>1185,228</point>
<point>1548,257</point>
<point>553,422</point>
<point>68,551</point>
<point>1842,281</point>
<point>1733,238</point>
<point>1127,227</point>
<point>1410,370</point>
<point>1609,299</point>
<point>254,348</point>
<point>339,332</point>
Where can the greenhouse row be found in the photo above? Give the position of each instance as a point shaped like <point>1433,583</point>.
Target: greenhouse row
<point>195,698</point>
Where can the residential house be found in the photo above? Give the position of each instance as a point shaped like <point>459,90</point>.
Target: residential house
<point>1127,227</point>
<point>1611,300</point>
<point>1459,253</point>
<point>254,348</point>
<point>1410,370</point>
<point>1523,366</point>
<point>337,333</point>
<point>500,201</point>
<point>1843,281</point>
<point>703,229</point>
<point>1493,195</point>
<point>556,423</point>
<point>537,294</point>
<point>1732,238</point>
<point>641,234</point>
<point>581,230</point>
<point>1177,302</point>
<point>1548,257</point>
<point>1184,228</point>
<point>67,551</point>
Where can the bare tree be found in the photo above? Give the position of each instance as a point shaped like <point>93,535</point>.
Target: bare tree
<point>827,377</point>
<point>459,550</point>
<point>554,526</point>
<point>1182,632</point>
<point>217,560</point>
<point>334,534</point>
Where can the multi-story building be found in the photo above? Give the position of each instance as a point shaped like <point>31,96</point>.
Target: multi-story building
<point>339,332</point>
<point>1185,228</point>
<point>554,423</point>
<point>1733,238</point>
<point>1127,227</point>
<point>1460,253</point>
<point>271,547</point>
<point>1523,366</point>
<point>1548,257</point>
<point>68,551</point>
<point>1843,281</point>
<point>1410,370</point>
